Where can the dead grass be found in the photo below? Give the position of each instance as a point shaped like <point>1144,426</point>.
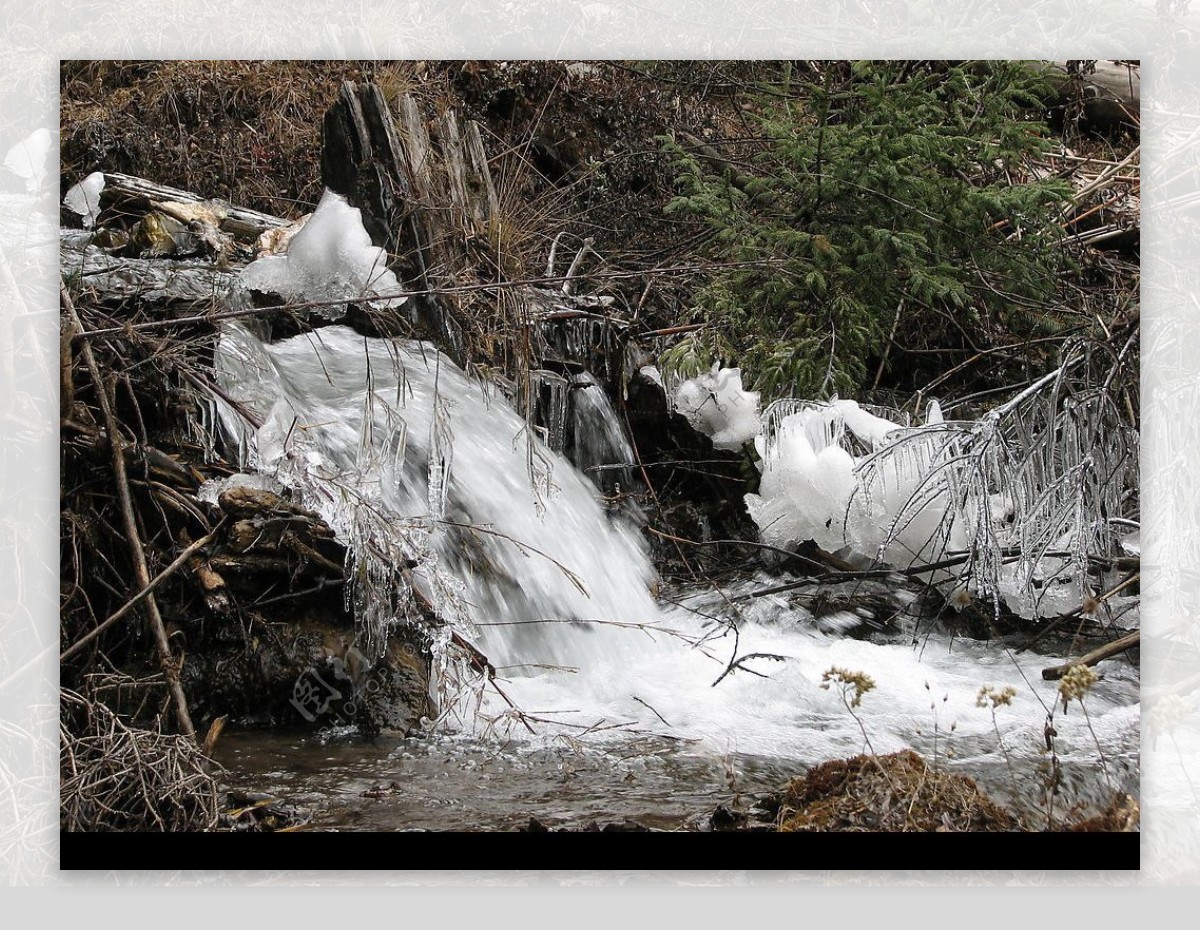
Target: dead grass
<point>896,793</point>
<point>245,131</point>
<point>574,146</point>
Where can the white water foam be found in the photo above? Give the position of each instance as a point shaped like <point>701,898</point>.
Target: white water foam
<point>408,459</point>
<point>356,426</point>
<point>412,463</point>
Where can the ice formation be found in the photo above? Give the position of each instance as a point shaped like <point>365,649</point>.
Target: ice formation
<point>84,198</point>
<point>871,430</point>
<point>717,405</point>
<point>436,484</point>
<point>414,464</point>
<point>651,373</point>
<point>1015,493</point>
<point>410,461</point>
<point>893,507</point>
<point>330,258</point>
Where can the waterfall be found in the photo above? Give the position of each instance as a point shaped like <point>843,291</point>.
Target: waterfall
<point>411,461</point>
<point>599,446</point>
<point>437,486</point>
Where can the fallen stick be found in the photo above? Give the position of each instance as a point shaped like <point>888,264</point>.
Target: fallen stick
<point>1107,651</point>
<point>674,330</point>
<point>116,444</point>
<point>142,594</point>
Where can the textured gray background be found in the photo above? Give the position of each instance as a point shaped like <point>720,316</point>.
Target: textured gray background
<point>35,35</point>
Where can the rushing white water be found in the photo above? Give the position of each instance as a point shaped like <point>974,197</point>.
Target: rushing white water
<point>409,459</point>
<point>436,484</point>
<point>599,446</point>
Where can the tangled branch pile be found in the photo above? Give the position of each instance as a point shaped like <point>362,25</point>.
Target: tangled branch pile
<point>118,777</point>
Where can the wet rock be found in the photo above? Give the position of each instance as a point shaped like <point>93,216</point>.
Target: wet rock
<point>309,672</point>
<point>628,825</point>
<point>726,818</point>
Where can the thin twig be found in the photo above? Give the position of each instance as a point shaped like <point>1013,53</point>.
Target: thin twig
<point>116,445</point>
<point>144,593</point>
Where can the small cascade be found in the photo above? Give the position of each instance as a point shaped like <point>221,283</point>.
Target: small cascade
<point>549,399</point>
<point>409,461</point>
<point>438,486</point>
<point>573,408</point>
<point>578,339</point>
<point>599,447</point>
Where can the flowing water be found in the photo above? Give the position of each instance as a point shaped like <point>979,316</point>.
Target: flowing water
<point>637,705</point>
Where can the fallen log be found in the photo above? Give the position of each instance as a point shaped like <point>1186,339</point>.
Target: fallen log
<point>149,280</point>
<point>138,195</point>
<point>1110,96</point>
<point>1107,651</point>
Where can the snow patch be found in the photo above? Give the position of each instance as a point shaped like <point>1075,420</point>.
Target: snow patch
<point>330,258</point>
<point>812,488</point>
<point>84,198</point>
<point>717,406</point>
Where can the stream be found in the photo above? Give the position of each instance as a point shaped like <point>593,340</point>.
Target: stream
<point>629,707</point>
<point>614,697</point>
<point>602,760</point>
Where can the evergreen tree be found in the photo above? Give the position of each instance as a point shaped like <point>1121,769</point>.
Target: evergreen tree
<point>880,192</point>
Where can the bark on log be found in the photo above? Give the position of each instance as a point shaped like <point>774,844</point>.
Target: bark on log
<point>1112,94</point>
<point>147,280</point>
<point>136,194</point>
<point>1112,81</point>
<point>403,189</point>
<point>485,200</point>
<point>389,174</point>
<point>361,160</point>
